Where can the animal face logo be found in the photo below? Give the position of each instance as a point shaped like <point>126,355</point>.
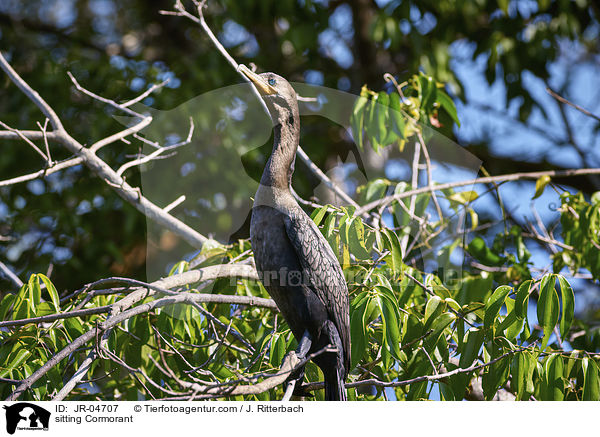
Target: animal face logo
<point>24,415</point>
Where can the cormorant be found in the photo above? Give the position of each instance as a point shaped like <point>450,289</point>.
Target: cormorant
<point>295,262</point>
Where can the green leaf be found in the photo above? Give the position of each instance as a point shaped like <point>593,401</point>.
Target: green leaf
<point>515,328</point>
<point>15,361</point>
<point>372,126</point>
<point>552,388</point>
<point>509,320</point>
<point>440,323</point>
<point>395,113</point>
<point>51,291</point>
<point>493,305</point>
<point>519,374</point>
<point>474,218</point>
<point>428,91</point>
<point>178,268</point>
<point>495,375</point>
<point>329,233</point>
<point>463,197</point>
<point>357,120</point>
<point>277,350</point>
<point>532,364</point>
<point>376,189</point>
<point>393,245</point>
<point>318,214</point>
<point>7,302</point>
<point>357,327</point>
<point>382,117</point>
<point>522,299</point>
<point>540,185</point>
<point>377,120</point>
<point>435,306</point>
<point>34,292</point>
<point>479,250</point>
<point>391,320</point>
<point>591,381</point>
<point>446,102</point>
<point>572,365</point>
<point>446,392</point>
<point>472,345</point>
<point>568,306</point>
<point>547,307</point>
<point>45,308</point>
<point>453,304</point>
<point>356,239</point>
<point>522,370</point>
<point>74,327</point>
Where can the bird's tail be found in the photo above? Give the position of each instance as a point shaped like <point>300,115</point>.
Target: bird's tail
<point>335,390</point>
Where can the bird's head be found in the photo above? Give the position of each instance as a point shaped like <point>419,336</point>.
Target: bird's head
<point>275,91</point>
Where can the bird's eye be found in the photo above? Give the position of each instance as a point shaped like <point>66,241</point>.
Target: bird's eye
<point>272,82</point>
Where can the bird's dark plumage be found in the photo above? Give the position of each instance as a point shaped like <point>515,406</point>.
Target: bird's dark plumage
<point>296,264</point>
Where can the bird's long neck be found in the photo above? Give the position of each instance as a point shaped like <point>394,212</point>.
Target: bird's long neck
<point>280,167</point>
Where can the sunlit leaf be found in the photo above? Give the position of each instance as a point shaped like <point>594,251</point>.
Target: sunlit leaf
<point>522,299</point>
<point>472,345</point>
<point>553,386</point>
<point>446,102</point>
<point>591,380</point>
<point>51,291</point>
<point>547,307</point>
<point>463,197</point>
<point>540,185</point>
<point>493,305</point>
<point>568,306</point>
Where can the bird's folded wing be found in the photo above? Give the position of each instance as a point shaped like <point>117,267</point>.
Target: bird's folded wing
<point>323,271</point>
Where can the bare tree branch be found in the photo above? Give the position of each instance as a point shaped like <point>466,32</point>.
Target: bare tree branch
<point>377,383</point>
<point>58,316</point>
<point>99,167</point>
<point>10,275</point>
<point>57,166</point>
<point>157,153</point>
<point>121,311</point>
<point>32,94</point>
<point>414,183</point>
<point>579,108</point>
<point>484,180</point>
<point>27,140</point>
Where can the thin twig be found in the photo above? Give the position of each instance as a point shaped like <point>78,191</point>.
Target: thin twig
<point>145,94</point>
<point>10,275</point>
<point>413,199</point>
<point>102,99</point>
<point>44,130</point>
<point>429,177</point>
<point>157,152</point>
<point>27,140</point>
<point>579,108</point>
<point>378,383</point>
<point>57,166</point>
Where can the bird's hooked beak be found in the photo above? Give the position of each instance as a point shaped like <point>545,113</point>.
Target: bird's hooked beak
<point>263,87</point>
